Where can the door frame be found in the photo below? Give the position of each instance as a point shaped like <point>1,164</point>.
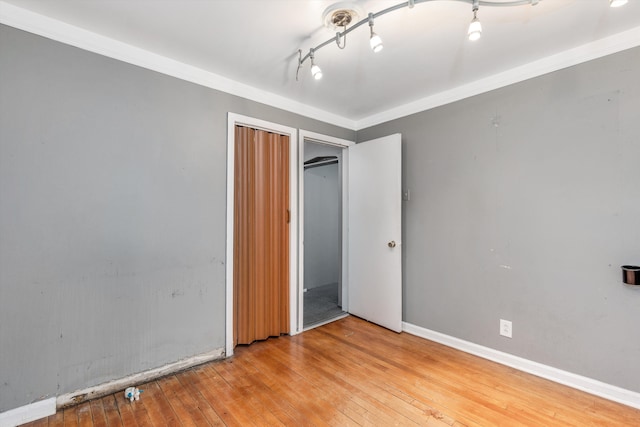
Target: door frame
<point>234,119</point>
<point>305,135</point>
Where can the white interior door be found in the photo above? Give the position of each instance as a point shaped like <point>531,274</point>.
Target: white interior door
<point>375,249</point>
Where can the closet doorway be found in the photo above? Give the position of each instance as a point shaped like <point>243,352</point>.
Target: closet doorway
<point>261,235</point>
<point>287,271</point>
<point>322,230</point>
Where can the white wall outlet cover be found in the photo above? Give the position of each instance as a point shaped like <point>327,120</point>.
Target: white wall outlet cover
<point>506,328</point>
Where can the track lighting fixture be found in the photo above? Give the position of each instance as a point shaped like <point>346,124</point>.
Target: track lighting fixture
<point>374,40</point>
<point>617,3</point>
<point>341,16</point>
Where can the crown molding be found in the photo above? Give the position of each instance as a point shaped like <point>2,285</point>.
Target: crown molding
<point>53,29</point>
<point>568,58</point>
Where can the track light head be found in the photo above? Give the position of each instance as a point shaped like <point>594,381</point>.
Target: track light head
<point>475,27</point>
<point>316,72</point>
<point>374,40</point>
<point>376,43</point>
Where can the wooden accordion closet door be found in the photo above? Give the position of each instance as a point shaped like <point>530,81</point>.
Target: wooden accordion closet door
<point>261,235</point>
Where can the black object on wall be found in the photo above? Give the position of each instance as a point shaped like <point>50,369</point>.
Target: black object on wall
<point>631,274</point>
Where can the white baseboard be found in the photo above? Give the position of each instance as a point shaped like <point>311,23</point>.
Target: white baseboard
<point>588,385</point>
<point>31,412</point>
<point>44,408</point>
<point>104,389</point>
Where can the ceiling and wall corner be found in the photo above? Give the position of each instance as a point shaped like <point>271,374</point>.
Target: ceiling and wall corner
<point>414,73</point>
<point>75,36</point>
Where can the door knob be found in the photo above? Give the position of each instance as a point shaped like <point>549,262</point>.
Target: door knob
<point>392,244</point>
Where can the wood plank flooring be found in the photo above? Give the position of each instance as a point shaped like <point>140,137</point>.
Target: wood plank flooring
<point>349,373</point>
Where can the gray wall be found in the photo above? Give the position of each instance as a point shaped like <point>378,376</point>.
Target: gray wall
<point>322,214</point>
<point>112,216</point>
<point>524,204</point>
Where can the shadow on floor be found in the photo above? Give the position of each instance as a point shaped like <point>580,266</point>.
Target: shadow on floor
<point>321,304</point>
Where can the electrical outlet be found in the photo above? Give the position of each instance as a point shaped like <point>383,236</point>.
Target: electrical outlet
<point>406,195</point>
<point>505,328</point>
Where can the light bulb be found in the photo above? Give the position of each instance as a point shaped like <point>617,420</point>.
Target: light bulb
<point>617,3</point>
<point>376,43</point>
<point>316,72</point>
<point>475,29</point>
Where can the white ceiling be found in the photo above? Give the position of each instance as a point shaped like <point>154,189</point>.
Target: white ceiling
<point>426,51</point>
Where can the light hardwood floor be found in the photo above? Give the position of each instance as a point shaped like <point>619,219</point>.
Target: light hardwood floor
<point>350,373</point>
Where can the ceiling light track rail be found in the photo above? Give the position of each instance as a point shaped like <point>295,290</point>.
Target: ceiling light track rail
<point>376,43</point>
